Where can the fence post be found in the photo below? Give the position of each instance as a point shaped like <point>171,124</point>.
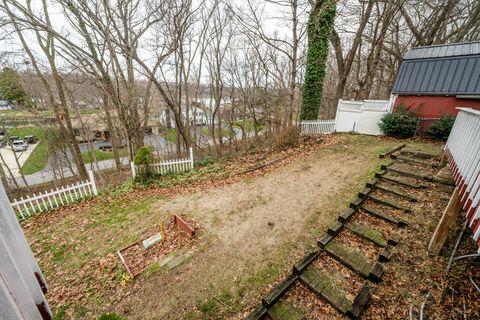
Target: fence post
<point>92,181</point>
<point>191,158</point>
<point>132,167</point>
<point>336,114</point>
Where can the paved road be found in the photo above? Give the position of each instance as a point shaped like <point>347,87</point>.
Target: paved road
<point>48,174</point>
<point>8,156</point>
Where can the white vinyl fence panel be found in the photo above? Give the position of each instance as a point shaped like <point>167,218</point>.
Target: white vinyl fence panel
<point>317,126</point>
<point>361,116</point>
<point>463,151</point>
<point>22,284</point>
<point>167,166</point>
<point>48,200</point>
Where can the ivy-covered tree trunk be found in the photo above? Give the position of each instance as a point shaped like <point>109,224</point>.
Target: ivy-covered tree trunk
<point>320,25</point>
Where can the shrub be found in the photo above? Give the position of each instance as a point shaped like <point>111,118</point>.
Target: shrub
<point>288,138</point>
<point>440,129</point>
<point>142,160</point>
<point>399,124</point>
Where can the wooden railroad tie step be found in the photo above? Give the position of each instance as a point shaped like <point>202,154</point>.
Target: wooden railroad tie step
<point>346,215</point>
<point>355,261</point>
<point>368,233</point>
<point>447,182</point>
<point>396,193</point>
<point>356,203</point>
<point>415,161</point>
<point>401,182</point>
<point>324,240</point>
<point>335,229</point>
<point>278,291</point>
<point>409,174</point>
<point>350,257</point>
<point>305,262</point>
<point>285,311</point>
<point>360,302</point>
<point>386,254</point>
<point>400,223</point>
<point>389,203</point>
<point>258,313</point>
<point>389,153</point>
<point>419,154</point>
<point>377,272</point>
<point>373,183</point>
<point>364,193</point>
<point>322,284</point>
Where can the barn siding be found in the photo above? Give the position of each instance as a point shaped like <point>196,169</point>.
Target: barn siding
<point>431,108</point>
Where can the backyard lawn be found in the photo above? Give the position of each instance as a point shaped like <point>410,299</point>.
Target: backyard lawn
<point>100,155</point>
<point>251,227</point>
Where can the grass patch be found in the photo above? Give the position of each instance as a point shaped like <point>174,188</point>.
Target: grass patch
<point>111,316</point>
<point>37,160</point>
<point>39,157</point>
<point>100,155</point>
<point>207,131</point>
<point>169,133</point>
<point>248,125</point>
<point>61,313</point>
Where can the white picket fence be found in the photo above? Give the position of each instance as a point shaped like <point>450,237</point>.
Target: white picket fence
<point>167,166</point>
<point>463,151</point>
<point>317,126</point>
<point>49,200</point>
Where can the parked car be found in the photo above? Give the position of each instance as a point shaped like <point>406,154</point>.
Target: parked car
<point>19,145</point>
<point>31,139</point>
<point>2,143</point>
<point>12,138</point>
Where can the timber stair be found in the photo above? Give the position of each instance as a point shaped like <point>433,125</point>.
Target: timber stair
<point>415,161</point>
<point>401,182</point>
<point>368,233</point>
<point>323,282</point>
<point>410,174</point>
<point>284,311</point>
<point>396,193</point>
<point>418,154</point>
<point>374,212</point>
<point>389,203</point>
<point>350,258</point>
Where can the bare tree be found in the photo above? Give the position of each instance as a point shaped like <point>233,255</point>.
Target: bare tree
<point>46,42</point>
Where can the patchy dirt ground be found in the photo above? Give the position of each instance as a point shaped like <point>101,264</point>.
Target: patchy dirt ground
<point>246,223</point>
<point>253,225</point>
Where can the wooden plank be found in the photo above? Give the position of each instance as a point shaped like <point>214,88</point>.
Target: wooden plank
<point>278,291</point>
<point>385,154</point>
<point>184,226</point>
<point>360,302</point>
<point>440,235</point>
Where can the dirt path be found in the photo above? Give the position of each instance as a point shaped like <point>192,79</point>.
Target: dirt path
<point>247,226</point>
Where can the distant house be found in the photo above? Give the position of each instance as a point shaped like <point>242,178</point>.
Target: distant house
<point>435,80</point>
<point>5,105</point>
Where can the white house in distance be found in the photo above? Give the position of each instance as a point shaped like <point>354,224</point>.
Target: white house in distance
<point>201,113</point>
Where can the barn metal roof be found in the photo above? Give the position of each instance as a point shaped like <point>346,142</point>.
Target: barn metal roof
<point>452,69</point>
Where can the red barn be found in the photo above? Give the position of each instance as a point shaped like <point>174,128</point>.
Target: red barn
<point>435,80</point>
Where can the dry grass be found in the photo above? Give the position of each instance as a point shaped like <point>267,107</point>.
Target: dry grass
<point>254,226</point>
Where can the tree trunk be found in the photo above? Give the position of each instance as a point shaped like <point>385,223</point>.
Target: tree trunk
<point>320,25</point>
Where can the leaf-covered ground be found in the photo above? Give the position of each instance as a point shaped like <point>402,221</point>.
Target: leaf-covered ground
<point>257,212</point>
